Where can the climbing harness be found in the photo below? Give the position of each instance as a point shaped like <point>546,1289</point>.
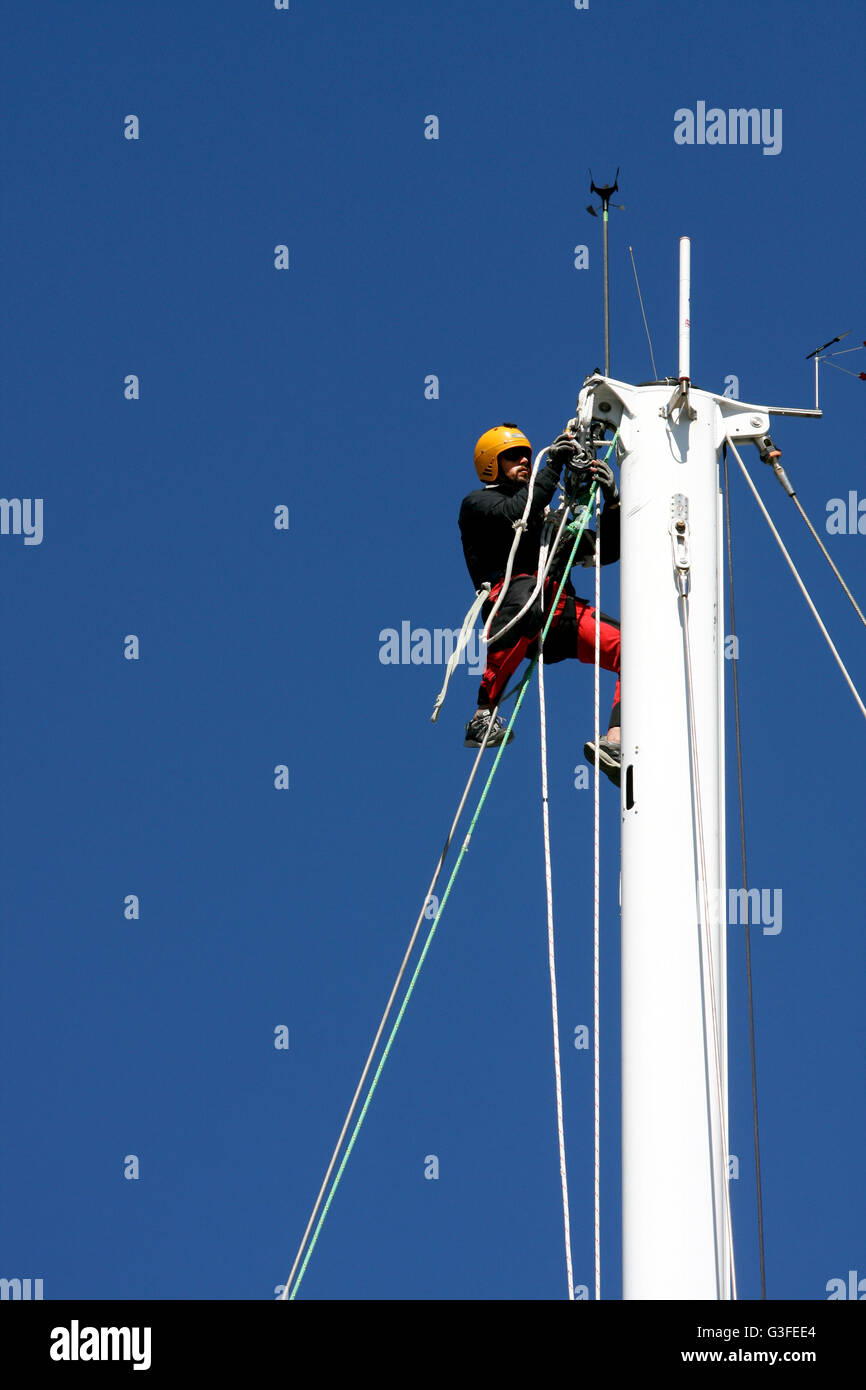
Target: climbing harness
<point>519,528</point>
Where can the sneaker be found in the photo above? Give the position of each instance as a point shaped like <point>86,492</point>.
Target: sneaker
<point>609,758</point>
<point>477,728</point>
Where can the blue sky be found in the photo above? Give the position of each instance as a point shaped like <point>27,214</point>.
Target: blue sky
<point>305,388</point>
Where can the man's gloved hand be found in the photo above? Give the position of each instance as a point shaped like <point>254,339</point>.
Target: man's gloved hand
<point>562,450</point>
<point>603,475</point>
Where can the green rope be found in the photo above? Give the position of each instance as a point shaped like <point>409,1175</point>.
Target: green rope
<point>578,529</point>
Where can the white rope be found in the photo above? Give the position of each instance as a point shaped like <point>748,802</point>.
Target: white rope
<point>803,588</point>
<point>551,956</point>
<point>551,948</point>
<point>545,560</point>
<point>707,955</point>
<point>519,528</point>
<point>596,935</point>
<point>453,660</point>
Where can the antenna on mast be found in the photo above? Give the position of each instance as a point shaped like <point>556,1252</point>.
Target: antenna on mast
<point>605,193</point>
<point>817,354</point>
<point>680,399</point>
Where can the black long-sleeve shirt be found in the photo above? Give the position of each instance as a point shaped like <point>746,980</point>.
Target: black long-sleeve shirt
<point>487,531</point>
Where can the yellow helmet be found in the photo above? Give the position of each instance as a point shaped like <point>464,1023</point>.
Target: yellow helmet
<point>493,443</point>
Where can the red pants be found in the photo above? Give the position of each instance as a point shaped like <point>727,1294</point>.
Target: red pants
<point>572,634</point>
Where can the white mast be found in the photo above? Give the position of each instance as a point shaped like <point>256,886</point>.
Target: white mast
<point>674,1060</point>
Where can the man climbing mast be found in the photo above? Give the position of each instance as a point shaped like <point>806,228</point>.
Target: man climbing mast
<point>503,462</point>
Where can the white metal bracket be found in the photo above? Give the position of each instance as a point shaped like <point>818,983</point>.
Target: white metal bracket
<point>680,402</point>
<point>680,540</point>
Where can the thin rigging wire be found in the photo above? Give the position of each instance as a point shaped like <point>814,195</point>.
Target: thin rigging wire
<point>645,324</point>
<point>751,1005</point>
<point>795,499</point>
<point>846,370</point>
<point>796,575</point>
